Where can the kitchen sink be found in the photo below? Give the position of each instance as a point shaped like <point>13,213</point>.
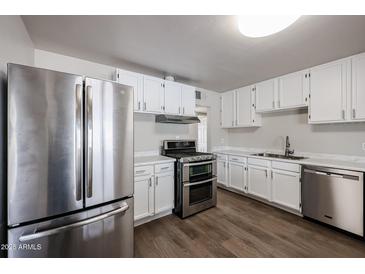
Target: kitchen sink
<point>280,156</point>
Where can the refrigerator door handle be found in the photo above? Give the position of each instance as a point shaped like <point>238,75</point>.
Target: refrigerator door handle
<point>89,114</point>
<point>64,228</point>
<point>78,139</point>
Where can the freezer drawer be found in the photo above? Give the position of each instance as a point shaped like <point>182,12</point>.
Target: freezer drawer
<point>101,232</point>
<point>334,197</point>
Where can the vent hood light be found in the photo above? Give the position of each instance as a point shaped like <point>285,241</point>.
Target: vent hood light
<point>264,25</point>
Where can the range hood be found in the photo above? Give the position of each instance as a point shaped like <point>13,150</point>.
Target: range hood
<point>176,119</point>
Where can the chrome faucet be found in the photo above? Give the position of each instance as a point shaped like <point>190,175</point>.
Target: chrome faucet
<point>288,151</point>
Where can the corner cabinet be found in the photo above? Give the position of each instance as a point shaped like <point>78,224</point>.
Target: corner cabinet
<point>238,109</point>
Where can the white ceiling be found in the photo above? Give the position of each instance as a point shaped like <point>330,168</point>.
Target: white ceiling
<point>207,51</point>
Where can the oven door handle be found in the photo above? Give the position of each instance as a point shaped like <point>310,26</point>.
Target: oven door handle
<point>200,182</point>
<point>200,163</point>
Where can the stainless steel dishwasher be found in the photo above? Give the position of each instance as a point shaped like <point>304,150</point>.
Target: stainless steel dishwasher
<point>334,197</point>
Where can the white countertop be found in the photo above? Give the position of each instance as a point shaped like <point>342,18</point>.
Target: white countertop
<point>325,162</point>
<point>151,160</point>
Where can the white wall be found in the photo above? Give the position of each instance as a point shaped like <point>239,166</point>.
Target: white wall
<point>15,47</point>
<point>148,135</point>
<point>333,139</point>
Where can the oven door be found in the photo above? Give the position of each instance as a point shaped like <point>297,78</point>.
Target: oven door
<point>198,196</point>
<point>199,170</point>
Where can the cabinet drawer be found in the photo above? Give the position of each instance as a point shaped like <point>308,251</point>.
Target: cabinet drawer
<point>222,157</point>
<point>237,159</point>
<point>286,166</point>
<point>143,170</point>
<point>258,162</point>
<point>169,167</point>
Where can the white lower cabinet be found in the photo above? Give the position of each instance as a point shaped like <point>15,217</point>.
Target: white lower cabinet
<point>164,192</point>
<point>143,197</point>
<point>153,191</point>
<point>222,173</point>
<point>277,182</point>
<point>237,174</point>
<point>258,183</point>
<point>286,188</point>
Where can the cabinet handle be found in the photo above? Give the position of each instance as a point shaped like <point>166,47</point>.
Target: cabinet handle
<point>183,110</point>
<point>144,106</point>
<point>353,113</point>
<point>266,172</point>
<point>343,114</point>
<point>156,182</point>
<point>306,99</point>
<point>179,110</point>
<point>139,105</point>
<point>272,174</point>
<point>150,181</point>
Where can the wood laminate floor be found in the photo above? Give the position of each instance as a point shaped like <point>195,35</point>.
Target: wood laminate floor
<point>242,227</point>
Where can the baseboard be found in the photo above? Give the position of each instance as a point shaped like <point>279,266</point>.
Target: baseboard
<point>154,217</point>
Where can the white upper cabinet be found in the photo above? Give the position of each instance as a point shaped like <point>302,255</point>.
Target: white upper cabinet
<point>154,94</point>
<point>265,95</point>
<point>227,109</point>
<point>134,80</point>
<point>328,90</point>
<point>293,90</point>
<point>188,100</point>
<point>358,87</point>
<point>172,98</point>
<point>238,108</point>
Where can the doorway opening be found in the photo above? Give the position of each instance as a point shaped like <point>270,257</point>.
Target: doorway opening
<point>202,130</point>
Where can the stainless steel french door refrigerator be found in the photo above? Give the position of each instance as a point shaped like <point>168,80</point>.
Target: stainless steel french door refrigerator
<point>70,165</point>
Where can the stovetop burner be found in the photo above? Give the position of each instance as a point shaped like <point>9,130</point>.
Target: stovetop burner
<point>185,151</point>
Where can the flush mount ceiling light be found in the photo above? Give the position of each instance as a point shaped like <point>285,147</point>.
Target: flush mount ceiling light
<point>264,25</point>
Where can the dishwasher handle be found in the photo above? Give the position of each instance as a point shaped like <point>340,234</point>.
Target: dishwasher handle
<point>331,174</point>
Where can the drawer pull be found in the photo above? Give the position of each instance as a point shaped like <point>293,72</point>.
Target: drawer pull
<point>140,171</point>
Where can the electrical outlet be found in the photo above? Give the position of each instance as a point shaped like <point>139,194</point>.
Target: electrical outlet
<point>363,146</point>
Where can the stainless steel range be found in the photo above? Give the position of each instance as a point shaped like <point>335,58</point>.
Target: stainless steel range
<point>195,177</point>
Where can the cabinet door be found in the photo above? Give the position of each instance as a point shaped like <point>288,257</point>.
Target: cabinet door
<point>188,100</point>
<point>134,80</point>
<point>143,197</point>
<point>358,87</point>
<point>227,109</point>
<point>172,98</point>
<point>258,182</point>
<point>286,188</point>
<point>154,94</point>
<point>236,174</point>
<point>293,90</point>
<point>265,95</point>
<point>164,192</point>
<point>222,172</point>
<point>328,86</point>
<point>244,106</point>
